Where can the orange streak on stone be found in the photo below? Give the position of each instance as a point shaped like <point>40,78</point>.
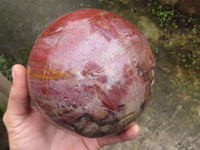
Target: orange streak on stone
<point>48,74</point>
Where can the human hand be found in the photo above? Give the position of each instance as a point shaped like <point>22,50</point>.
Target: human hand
<point>28,130</point>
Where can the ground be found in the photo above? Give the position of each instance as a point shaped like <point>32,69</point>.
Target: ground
<point>171,122</point>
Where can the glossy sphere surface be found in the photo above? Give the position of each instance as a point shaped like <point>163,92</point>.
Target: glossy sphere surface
<point>91,72</point>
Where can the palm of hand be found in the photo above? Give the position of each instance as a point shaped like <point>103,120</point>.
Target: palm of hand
<point>40,134</point>
<point>28,130</point>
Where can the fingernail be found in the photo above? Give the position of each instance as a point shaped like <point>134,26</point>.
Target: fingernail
<point>13,73</point>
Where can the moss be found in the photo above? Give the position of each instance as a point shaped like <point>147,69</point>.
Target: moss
<point>4,69</point>
<point>168,16</point>
<point>156,51</point>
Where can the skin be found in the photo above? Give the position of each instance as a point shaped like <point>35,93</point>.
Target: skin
<point>28,130</point>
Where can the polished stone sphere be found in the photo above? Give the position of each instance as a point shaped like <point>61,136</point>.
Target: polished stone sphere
<point>91,72</point>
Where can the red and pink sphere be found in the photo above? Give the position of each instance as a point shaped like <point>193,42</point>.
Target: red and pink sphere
<point>91,72</point>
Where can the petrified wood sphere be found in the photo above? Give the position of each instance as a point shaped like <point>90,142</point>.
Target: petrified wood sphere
<point>91,72</point>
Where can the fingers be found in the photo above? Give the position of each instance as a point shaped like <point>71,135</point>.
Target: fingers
<point>18,103</point>
<point>129,134</point>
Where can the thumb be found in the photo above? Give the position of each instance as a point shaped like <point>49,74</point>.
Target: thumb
<point>18,103</point>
